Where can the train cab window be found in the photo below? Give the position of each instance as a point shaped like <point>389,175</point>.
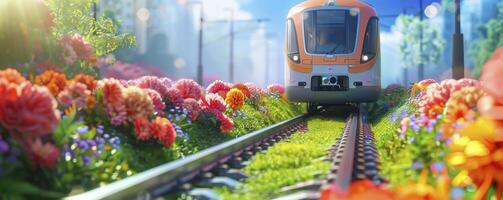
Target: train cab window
<point>292,44</point>
<point>330,31</point>
<point>371,40</point>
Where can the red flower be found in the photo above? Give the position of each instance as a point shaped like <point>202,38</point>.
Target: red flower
<point>219,87</point>
<point>189,89</point>
<point>112,90</point>
<point>141,127</point>
<point>226,123</point>
<point>44,155</point>
<point>162,129</point>
<point>492,76</point>
<point>213,102</point>
<point>32,112</point>
<point>174,97</point>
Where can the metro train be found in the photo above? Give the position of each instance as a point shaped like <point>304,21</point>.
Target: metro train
<point>332,53</point>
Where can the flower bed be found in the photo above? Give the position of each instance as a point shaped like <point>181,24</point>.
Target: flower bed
<point>60,134</point>
<point>445,142</point>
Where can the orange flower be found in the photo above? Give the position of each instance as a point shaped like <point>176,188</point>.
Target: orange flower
<point>87,80</point>
<point>53,80</point>
<point>112,91</point>
<point>243,88</point>
<point>235,98</point>
<point>12,76</point>
<point>422,190</point>
<point>462,103</point>
<point>477,151</point>
<point>138,103</point>
<point>363,189</point>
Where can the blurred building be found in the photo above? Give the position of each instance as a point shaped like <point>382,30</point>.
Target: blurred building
<point>164,29</point>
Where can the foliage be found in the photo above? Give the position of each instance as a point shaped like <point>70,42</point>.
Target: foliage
<point>290,162</point>
<point>491,39</point>
<point>411,28</point>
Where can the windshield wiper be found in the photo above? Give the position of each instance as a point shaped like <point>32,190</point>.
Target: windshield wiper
<point>333,50</point>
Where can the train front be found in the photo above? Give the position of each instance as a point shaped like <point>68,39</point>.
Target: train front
<point>332,52</point>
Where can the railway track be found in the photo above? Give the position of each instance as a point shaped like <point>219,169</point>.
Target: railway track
<point>353,156</point>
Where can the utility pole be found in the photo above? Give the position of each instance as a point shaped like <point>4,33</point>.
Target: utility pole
<point>458,61</point>
<point>231,53</point>
<point>420,73</point>
<point>200,50</point>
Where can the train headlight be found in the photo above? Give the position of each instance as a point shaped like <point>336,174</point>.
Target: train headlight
<point>365,58</point>
<point>295,57</point>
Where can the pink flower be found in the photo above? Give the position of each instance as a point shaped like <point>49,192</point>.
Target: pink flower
<point>192,107</point>
<point>117,113</point>
<point>152,82</point>
<point>74,92</point>
<point>492,76</point>
<point>44,155</point>
<point>69,55</point>
<point>173,97</point>
<point>157,101</point>
<point>166,81</point>
<point>189,89</point>
<point>81,47</point>
<point>32,112</point>
<point>276,88</point>
<point>219,87</point>
<point>213,102</point>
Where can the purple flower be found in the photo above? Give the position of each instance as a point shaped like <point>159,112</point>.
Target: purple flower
<point>4,147</point>
<point>99,129</point>
<point>417,165</point>
<point>91,142</point>
<point>82,130</point>
<point>415,127</point>
<point>83,145</point>
<point>86,160</point>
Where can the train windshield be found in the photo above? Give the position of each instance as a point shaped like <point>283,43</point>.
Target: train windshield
<point>330,31</point>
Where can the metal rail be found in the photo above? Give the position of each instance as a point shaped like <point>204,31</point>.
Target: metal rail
<point>164,178</point>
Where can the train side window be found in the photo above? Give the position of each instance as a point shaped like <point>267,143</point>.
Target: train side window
<point>292,44</point>
<point>370,43</point>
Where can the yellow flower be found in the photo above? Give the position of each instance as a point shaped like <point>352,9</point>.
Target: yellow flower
<point>476,152</point>
<point>235,98</point>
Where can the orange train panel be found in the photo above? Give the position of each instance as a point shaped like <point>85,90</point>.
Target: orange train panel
<point>307,61</point>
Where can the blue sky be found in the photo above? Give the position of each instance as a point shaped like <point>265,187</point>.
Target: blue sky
<point>276,10</point>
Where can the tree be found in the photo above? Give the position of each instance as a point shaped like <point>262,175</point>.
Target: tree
<point>433,44</point>
<point>75,16</point>
<point>491,38</point>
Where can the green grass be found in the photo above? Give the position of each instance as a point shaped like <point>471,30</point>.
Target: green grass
<point>289,162</point>
<point>396,159</point>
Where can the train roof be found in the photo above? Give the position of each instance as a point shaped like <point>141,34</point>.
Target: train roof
<point>320,3</point>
